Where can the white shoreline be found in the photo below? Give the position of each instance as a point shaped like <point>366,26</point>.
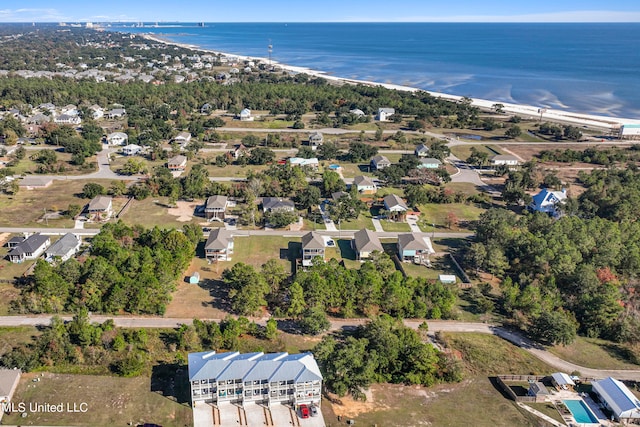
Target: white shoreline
<point>527,111</point>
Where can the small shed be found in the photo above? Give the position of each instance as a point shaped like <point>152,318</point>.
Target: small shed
<point>539,391</point>
<point>447,278</point>
<point>562,380</point>
<point>194,279</point>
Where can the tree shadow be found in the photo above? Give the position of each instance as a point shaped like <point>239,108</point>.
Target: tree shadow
<point>171,380</point>
<point>620,352</point>
<point>219,291</point>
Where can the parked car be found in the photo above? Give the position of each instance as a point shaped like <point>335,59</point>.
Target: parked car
<point>314,410</point>
<point>304,411</point>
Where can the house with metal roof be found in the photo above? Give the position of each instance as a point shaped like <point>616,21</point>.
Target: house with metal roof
<point>30,248</point>
<point>365,242</point>
<point>562,380</point>
<point>429,163</point>
<point>215,207</point>
<point>617,398</point>
<point>251,378</point>
<point>548,201</point>
<point>384,114</point>
<point>219,245</point>
<point>64,248</point>
<point>177,163</point>
<point>312,246</point>
<point>117,138</point>
<point>131,149</point>
<point>505,159</point>
<point>421,150</point>
<point>245,115</point>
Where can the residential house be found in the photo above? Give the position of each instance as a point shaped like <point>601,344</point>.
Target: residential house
<point>299,161</point>
<point>238,151</point>
<point>429,163</point>
<point>214,208</point>
<point>66,119</point>
<point>39,119</point>
<point>117,138</point>
<point>335,197</point>
<point>255,378</point>
<point>364,243</point>
<point>131,149</point>
<point>379,162</point>
<point>562,380</point>
<point>9,379</point>
<point>245,115</point>
<point>395,205</point>
<point>315,140</point>
<point>365,185</point>
<point>274,204</point>
<point>30,248</point>
<point>312,246</point>
<point>357,112</point>
<point>548,201</point>
<point>421,150</point>
<point>447,279</point>
<point>177,163</point>
<point>64,248</point>
<point>116,113</point>
<point>219,245</point>
<point>385,113</point>
<point>182,138</point>
<point>414,247</point>
<point>505,159</point>
<point>100,208</point>
<point>206,108</point>
<point>539,391</point>
<point>96,112</point>
<point>14,241</point>
<point>617,398</point>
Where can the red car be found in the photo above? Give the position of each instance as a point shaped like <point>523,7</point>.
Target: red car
<point>304,411</point>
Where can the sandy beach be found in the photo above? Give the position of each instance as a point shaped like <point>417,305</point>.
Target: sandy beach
<point>525,111</point>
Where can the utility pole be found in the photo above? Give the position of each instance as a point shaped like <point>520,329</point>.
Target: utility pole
<point>270,48</point>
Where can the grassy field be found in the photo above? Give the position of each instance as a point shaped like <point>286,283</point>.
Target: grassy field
<point>434,213</point>
<point>464,187</point>
<point>110,401</point>
<point>153,211</point>
<point>394,226</point>
<point>13,336</point>
<point>26,208</point>
<point>596,353</point>
<point>464,151</point>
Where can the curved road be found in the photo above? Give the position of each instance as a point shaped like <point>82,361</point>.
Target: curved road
<point>434,326</point>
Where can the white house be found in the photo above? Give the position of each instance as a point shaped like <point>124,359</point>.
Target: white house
<point>505,159</point>
<point>379,162</point>
<point>117,138</point>
<point>421,150</point>
<point>414,246</point>
<point>385,113</point>
<point>365,185</point>
<point>255,378</point>
<point>96,112</point>
<point>548,201</point>
<point>66,119</point>
<point>618,399</point>
<point>64,248</point>
<point>245,115</point>
<point>315,140</point>
<point>393,203</point>
<point>429,163</point>
<point>116,113</point>
<point>30,248</point>
<point>131,149</point>
<point>219,245</point>
<point>183,138</point>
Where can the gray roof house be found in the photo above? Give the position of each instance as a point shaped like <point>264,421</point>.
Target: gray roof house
<point>393,203</point>
<point>315,139</point>
<point>101,207</point>
<point>64,248</point>
<point>365,242</point>
<point>385,113</point>
<point>182,138</point>
<point>413,246</point>
<point>219,245</point>
<point>116,113</point>
<point>421,150</point>
<point>177,163</point>
<point>312,246</point>
<point>380,162</point>
<point>30,248</point>
<point>617,398</point>
<point>271,204</point>
<point>365,185</point>
<point>215,206</point>
<point>250,378</point>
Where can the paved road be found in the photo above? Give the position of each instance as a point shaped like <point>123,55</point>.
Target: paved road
<point>434,326</point>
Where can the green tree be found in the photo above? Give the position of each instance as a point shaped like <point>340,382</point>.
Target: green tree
<point>513,132</point>
<point>91,190</point>
<point>247,288</point>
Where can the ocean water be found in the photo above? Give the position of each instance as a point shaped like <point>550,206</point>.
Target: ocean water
<point>587,68</point>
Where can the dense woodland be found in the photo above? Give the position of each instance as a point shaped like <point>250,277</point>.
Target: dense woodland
<point>129,269</point>
<point>575,274</point>
<point>377,287</point>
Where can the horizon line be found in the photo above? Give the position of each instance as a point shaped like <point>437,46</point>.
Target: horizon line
<point>133,21</point>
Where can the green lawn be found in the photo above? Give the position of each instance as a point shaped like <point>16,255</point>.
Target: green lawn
<point>464,151</point>
<point>395,226</point>
<point>463,187</point>
<point>154,211</point>
<point>256,250</point>
<point>363,221</point>
<point>596,353</point>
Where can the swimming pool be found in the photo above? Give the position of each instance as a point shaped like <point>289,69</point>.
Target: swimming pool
<point>581,411</point>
